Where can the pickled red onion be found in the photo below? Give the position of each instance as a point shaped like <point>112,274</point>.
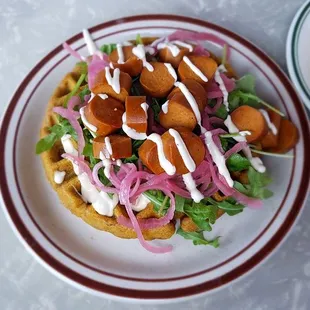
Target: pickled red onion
<point>72,52</point>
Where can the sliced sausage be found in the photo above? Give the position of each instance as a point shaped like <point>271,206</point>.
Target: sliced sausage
<point>178,113</point>
<point>165,55</point>
<point>136,113</point>
<point>120,145</point>
<point>104,114</point>
<point>149,156</point>
<point>250,119</point>
<point>194,145</point>
<point>157,83</point>
<point>288,137</point>
<point>205,64</point>
<point>132,64</point>
<point>196,90</point>
<point>271,140</point>
<point>102,86</point>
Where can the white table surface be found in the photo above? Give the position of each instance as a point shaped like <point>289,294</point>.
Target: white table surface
<point>28,30</point>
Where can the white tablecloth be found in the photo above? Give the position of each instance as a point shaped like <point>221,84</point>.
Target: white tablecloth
<point>28,30</point>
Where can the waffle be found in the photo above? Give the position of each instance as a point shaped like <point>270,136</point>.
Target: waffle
<point>69,190</point>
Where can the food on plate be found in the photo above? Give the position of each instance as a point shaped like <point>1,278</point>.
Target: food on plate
<point>152,134</point>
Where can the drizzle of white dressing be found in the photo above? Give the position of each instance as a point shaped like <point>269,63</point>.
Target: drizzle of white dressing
<point>90,126</point>
<point>145,107</point>
<point>195,69</point>
<point>101,201</point>
<point>191,187</point>
<point>191,100</point>
<point>120,53</point>
<point>114,81</point>
<point>271,125</point>
<point>256,162</point>
<point>118,162</point>
<point>92,96</point>
<point>163,161</point>
<point>91,46</point>
<point>140,203</point>
<point>139,51</point>
<point>186,156</point>
<point>70,149</point>
<point>107,163</point>
<point>132,133</point>
<point>221,68</point>
<point>103,96</point>
<point>108,145</point>
<point>218,158</point>
<point>111,65</point>
<point>149,49</point>
<point>173,48</point>
<point>218,79</point>
<point>171,71</point>
<point>164,107</point>
<point>232,128</point>
<point>183,44</point>
<point>59,176</point>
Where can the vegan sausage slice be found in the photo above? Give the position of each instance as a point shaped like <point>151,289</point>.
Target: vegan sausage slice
<point>136,113</point>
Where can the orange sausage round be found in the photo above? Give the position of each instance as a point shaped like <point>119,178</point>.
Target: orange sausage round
<point>157,83</point>
<point>132,66</point>
<point>165,55</point>
<point>248,118</point>
<point>205,64</point>
<point>105,114</point>
<point>101,85</point>
<point>136,116</point>
<point>121,146</point>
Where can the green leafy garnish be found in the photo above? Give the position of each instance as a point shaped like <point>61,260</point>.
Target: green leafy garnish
<point>56,132</point>
<point>256,187</point>
<point>108,48</point>
<point>132,159</point>
<point>83,67</point>
<point>156,108</point>
<point>179,203</point>
<point>198,238</point>
<point>237,162</point>
<point>221,112</point>
<point>246,84</point>
<point>83,93</point>
<point>139,39</point>
<point>75,89</point>
<point>161,203</point>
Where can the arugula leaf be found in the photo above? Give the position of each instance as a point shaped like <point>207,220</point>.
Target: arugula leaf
<point>132,159</point>
<point>221,112</point>
<point>256,188</point>
<point>237,162</point>
<point>75,89</point>
<point>161,203</point>
<point>88,150</point>
<point>56,132</point>
<point>83,93</point>
<point>198,238</point>
<point>230,208</point>
<point>246,84</point>
<point>108,48</point>
<point>179,203</point>
<point>83,67</point>
<point>202,214</point>
<point>135,145</point>
<point>237,97</point>
<point>139,39</point>
<point>156,108</point>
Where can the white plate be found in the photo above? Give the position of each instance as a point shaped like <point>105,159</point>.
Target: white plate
<point>103,264</point>
<point>297,52</point>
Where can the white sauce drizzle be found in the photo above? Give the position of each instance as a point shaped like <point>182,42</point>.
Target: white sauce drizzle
<point>90,126</point>
<point>59,176</point>
<point>145,107</point>
<point>232,128</point>
<point>108,145</point>
<point>256,162</point>
<point>171,71</point>
<point>221,68</point>
<point>191,100</point>
<point>165,107</point>
<point>218,158</point>
<point>111,65</point>
<point>114,81</point>
<point>195,69</point>
<point>186,157</point>
<point>101,201</point>
<point>191,186</point>
<point>163,161</point>
<point>174,49</point>
<point>271,126</point>
<point>183,44</point>
<point>140,203</point>
<point>103,96</point>
<point>139,51</point>
<point>218,79</point>
<point>92,96</point>
<point>91,46</point>
<point>120,53</point>
<point>107,163</point>
<point>132,133</point>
